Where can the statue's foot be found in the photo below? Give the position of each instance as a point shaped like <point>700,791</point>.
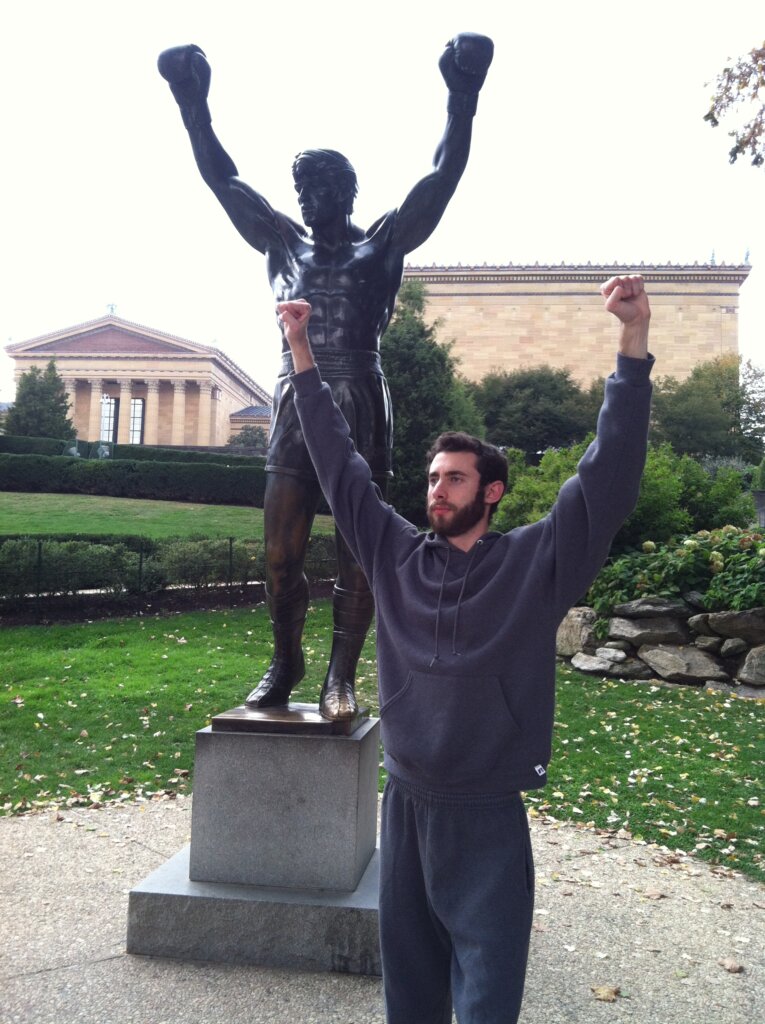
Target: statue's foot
<point>274,689</point>
<point>338,700</point>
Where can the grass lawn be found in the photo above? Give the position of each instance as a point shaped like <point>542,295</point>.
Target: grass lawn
<point>83,513</point>
<point>105,710</point>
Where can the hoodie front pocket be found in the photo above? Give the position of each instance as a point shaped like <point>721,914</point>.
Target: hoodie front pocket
<point>449,730</point>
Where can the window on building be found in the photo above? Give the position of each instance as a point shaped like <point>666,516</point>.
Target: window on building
<point>137,406</point>
<point>110,415</point>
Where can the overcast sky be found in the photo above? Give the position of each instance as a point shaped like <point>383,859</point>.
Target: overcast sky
<point>589,145</point>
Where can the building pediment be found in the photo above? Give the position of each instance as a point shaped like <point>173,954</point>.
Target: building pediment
<point>108,336</point>
<point>112,340</point>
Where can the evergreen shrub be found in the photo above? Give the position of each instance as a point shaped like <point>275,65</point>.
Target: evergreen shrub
<point>205,483</point>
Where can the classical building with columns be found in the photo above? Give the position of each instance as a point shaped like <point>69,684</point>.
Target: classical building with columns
<point>511,317</point>
<point>130,384</point>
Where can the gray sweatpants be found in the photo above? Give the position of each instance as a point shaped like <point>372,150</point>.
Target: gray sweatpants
<point>456,905</point>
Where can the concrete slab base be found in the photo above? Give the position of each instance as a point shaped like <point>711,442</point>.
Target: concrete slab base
<point>308,930</point>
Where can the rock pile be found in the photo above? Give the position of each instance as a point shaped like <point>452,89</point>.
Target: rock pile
<point>669,639</point>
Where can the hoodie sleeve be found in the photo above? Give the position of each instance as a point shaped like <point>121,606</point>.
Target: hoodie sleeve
<point>365,520</point>
<point>592,505</point>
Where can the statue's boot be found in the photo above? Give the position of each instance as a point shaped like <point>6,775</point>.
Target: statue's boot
<point>352,613</point>
<point>287,666</point>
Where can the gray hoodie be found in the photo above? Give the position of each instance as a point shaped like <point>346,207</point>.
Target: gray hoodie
<point>466,640</point>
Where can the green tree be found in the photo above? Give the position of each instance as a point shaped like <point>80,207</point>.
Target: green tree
<point>743,82</point>
<point>249,437</point>
<point>41,406</point>
<point>719,410</point>
<point>428,398</point>
<point>536,409</point>
<point>676,495</point>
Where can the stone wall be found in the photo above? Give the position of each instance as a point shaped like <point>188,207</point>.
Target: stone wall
<point>511,317</point>
<point>670,640</point>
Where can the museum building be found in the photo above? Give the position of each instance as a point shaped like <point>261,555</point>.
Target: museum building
<point>130,384</point>
<point>513,317</point>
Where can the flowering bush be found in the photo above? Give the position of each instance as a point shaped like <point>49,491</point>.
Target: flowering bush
<point>726,566</point>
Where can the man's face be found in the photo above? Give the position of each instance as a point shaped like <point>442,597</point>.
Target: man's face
<point>318,200</point>
<point>455,495</point>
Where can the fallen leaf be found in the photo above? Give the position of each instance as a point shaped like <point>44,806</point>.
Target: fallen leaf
<point>606,993</point>
<point>731,966</point>
<point>654,894</point>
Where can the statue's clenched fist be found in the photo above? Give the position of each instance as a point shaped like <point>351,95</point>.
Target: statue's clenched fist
<point>465,61</point>
<point>187,71</point>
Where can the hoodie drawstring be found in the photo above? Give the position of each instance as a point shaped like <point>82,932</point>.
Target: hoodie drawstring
<point>435,657</point>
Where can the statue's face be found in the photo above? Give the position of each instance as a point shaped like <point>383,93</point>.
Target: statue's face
<point>319,203</point>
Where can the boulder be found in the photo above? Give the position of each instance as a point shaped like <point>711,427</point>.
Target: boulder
<point>631,668</point>
<point>682,664</point>
<point>711,644</point>
<point>732,648</point>
<point>695,599</point>
<point>590,663</point>
<point>649,607</point>
<point>700,624</point>
<point>620,645</point>
<point>753,669</point>
<point>659,630</point>
<point>575,633</point>
<point>612,654</point>
<point>748,625</point>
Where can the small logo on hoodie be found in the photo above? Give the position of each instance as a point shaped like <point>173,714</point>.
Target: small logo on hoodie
<point>539,769</point>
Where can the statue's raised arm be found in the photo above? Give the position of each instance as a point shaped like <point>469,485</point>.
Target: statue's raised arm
<point>350,278</point>
<point>463,64</point>
<point>187,71</point>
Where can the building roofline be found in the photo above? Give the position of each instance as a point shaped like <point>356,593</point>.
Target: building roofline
<point>110,320</point>
<point>736,273</point>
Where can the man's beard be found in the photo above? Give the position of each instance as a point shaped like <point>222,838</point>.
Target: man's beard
<point>462,520</point>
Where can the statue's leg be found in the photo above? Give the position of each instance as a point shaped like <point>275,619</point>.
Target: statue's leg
<point>352,611</point>
<point>289,507</point>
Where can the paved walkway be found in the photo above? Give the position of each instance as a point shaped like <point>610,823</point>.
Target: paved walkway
<point>610,914</point>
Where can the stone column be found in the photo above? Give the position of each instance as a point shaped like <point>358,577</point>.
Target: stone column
<point>179,412</point>
<point>205,411</point>
<point>94,419</point>
<point>151,425</point>
<point>123,427</point>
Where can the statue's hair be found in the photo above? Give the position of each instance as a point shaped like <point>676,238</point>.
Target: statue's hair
<point>330,165</point>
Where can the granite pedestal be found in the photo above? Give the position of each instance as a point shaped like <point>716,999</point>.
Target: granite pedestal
<point>282,868</point>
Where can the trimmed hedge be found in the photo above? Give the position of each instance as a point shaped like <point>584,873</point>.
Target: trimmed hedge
<point>33,566</point>
<point>148,453</point>
<point>205,482</point>
<point>17,445</point>
<point>14,444</point>
<point>131,541</point>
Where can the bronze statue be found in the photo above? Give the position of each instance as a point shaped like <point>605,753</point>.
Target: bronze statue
<point>351,278</point>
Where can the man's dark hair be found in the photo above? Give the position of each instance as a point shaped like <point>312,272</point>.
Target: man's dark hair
<point>330,165</point>
<point>490,462</point>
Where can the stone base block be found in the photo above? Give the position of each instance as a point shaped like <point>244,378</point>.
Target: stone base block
<point>288,810</point>
<point>308,930</point>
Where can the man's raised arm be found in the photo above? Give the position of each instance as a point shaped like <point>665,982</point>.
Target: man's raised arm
<point>294,317</point>
<point>187,71</point>
<point>463,64</point>
<point>625,297</point>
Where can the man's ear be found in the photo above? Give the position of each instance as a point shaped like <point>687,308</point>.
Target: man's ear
<point>493,492</point>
